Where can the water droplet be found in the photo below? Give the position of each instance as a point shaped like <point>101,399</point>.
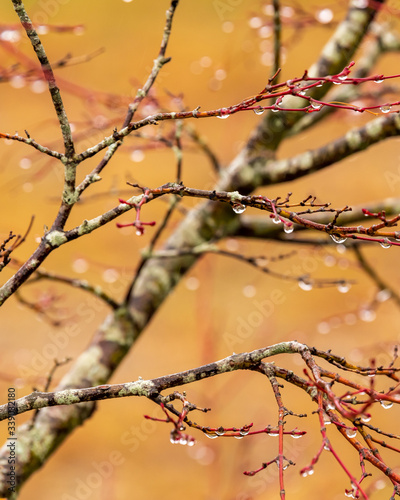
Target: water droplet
<point>337,238</point>
<point>305,285</point>
<point>238,437</point>
<point>330,406</point>
<point>343,287</point>
<point>220,431</point>
<point>276,220</point>
<point>385,109</point>
<point>191,442</point>
<point>275,110</point>
<point>12,36</point>
<point>244,432</point>
<point>25,163</point>
<point>211,436</point>
<point>386,404</point>
<point>319,84</point>
<point>174,437</point>
<point>288,229</point>
<point>351,433</point>
<point>273,433</point>
<point>137,155</point>
<point>323,328</point>
<point>367,315</point>
<point>336,83</point>
<point>302,92</point>
<point>324,16</point>
<point>316,106</point>
<point>17,81</point>
<point>326,418</point>
<point>80,265</point>
<point>238,208</point>
<point>386,243</point>
<point>223,114</point>
<point>308,472</point>
<point>342,77</point>
<point>139,232</point>
<point>378,80</point>
<point>383,295</point>
<point>259,111</point>
<point>183,440</point>
<point>38,86</point>
<point>365,418</point>
<point>296,436</point>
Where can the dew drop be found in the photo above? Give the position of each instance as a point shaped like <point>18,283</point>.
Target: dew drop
<point>238,437</point>
<point>379,80</point>
<point>383,295</point>
<point>191,442</point>
<point>259,111</point>
<point>137,155</point>
<point>238,208</point>
<point>244,432</point>
<point>305,285</point>
<point>324,16</point>
<point>288,229</point>
<point>183,440</point>
<point>316,106</point>
<point>17,81</point>
<point>275,110</point>
<point>323,328</point>
<point>276,220</point>
<point>220,431</point>
<point>10,36</point>
<point>351,433</point>
<point>367,315</point>
<point>338,239</point>
<point>385,109</point>
<point>385,243</point>
<point>386,404</point>
<point>308,472</point>
<point>342,77</point>
<point>38,86</point>
<point>365,419</point>
<point>302,92</point>
<point>139,232</point>
<point>273,433</point>
<point>343,287</point>
<point>224,114</point>
<point>296,436</point>
<point>319,84</point>
<point>211,436</point>
<point>327,420</point>
<point>25,163</point>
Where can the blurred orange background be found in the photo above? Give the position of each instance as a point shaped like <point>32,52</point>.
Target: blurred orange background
<point>220,55</point>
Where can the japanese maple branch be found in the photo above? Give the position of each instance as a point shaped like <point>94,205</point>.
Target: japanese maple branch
<point>49,77</point>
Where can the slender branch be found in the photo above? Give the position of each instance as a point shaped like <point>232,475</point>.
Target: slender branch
<point>49,77</point>
<point>277,37</point>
